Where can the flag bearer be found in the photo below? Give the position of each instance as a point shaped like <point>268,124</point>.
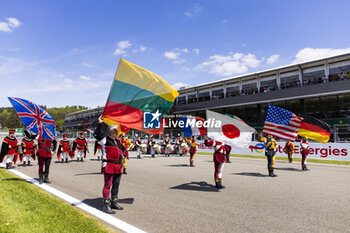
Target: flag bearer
<point>46,148</point>
<point>193,149</point>
<point>219,158</point>
<point>270,151</point>
<point>304,150</point>
<point>289,150</point>
<point>112,158</point>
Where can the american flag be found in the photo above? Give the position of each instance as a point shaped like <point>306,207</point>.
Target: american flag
<point>34,118</point>
<point>282,123</point>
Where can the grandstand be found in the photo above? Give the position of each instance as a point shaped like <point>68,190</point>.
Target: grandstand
<point>319,88</point>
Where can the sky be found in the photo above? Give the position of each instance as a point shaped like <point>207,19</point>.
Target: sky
<point>59,53</point>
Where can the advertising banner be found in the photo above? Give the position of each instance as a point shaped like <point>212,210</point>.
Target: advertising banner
<point>327,151</point>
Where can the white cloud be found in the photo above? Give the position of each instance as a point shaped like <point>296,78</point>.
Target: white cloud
<point>88,65</point>
<point>83,77</point>
<point>179,85</point>
<point>197,51</point>
<point>272,59</point>
<point>194,11</point>
<point>308,54</point>
<point>122,45</point>
<point>11,24</point>
<point>171,55</point>
<point>234,63</point>
<point>224,21</point>
<point>143,48</point>
<point>176,54</point>
<point>119,52</point>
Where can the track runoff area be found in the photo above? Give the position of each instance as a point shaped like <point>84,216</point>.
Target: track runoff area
<point>165,194</point>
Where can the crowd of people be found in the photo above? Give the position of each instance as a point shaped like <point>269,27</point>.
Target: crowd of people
<point>284,85</point>
<point>112,149</point>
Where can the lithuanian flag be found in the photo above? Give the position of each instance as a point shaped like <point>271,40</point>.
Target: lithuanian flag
<point>315,129</point>
<point>134,91</point>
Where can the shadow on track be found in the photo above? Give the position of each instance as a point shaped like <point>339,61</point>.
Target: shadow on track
<point>88,173</point>
<point>255,174</point>
<point>95,160</point>
<point>196,186</point>
<point>178,165</point>
<point>288,169</point>
<point>98,202</point>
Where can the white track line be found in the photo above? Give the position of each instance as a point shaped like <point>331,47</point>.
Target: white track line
<point>75,202</point>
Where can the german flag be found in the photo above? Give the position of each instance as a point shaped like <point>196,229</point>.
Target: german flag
<point>315,129</point>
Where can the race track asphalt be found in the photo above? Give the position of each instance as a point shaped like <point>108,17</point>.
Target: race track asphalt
<point>166,195</point>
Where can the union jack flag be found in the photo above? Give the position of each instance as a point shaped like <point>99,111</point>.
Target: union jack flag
<point>34,118</point>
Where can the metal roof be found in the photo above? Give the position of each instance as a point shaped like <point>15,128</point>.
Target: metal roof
<point>282,69</point>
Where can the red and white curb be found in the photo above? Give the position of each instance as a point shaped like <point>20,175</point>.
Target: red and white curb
<point>75,202</point>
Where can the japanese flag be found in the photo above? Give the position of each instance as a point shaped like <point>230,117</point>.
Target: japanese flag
<point>232,131</point>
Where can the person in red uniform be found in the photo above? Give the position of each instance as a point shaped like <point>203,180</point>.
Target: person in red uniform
<point>63,149</point>
<point>28,148</point>
<point>219,157</point>
<point>81,145</point>
<point>193,149</point>
<point>46,147</point>
<point>9,149</point>
<point>304,150</point>
<point>113,156</point>
<point>289,150</point>
<point>98,150</point>
<point>228,151</point>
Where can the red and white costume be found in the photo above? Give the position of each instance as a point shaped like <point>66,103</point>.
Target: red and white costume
<point>63,150</point>
<point>46,148</point>
<point>80,145</point>
<point>9,149</point>
<point>304,150</point>
<point>28,150</point>
<point>219,157</point>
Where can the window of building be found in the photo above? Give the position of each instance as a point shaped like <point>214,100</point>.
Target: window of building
<point>192,98</point>
<point>251,113</point>
<point>204,96</point>
<point>268,85</point>
<point>339,73</point>
<point>329,106</point>
<point>313,107</point>
<point>314,77</point>
<point>181,100</point>
<point>248,89</point>
<point>344,105</point>
<point>338,70</point>
<point>232,91</point>
<point>217,94</point>
<point>290,81</point>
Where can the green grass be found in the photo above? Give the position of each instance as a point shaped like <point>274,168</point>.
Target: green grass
<point>26,208</point>
<point>286,159</point>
